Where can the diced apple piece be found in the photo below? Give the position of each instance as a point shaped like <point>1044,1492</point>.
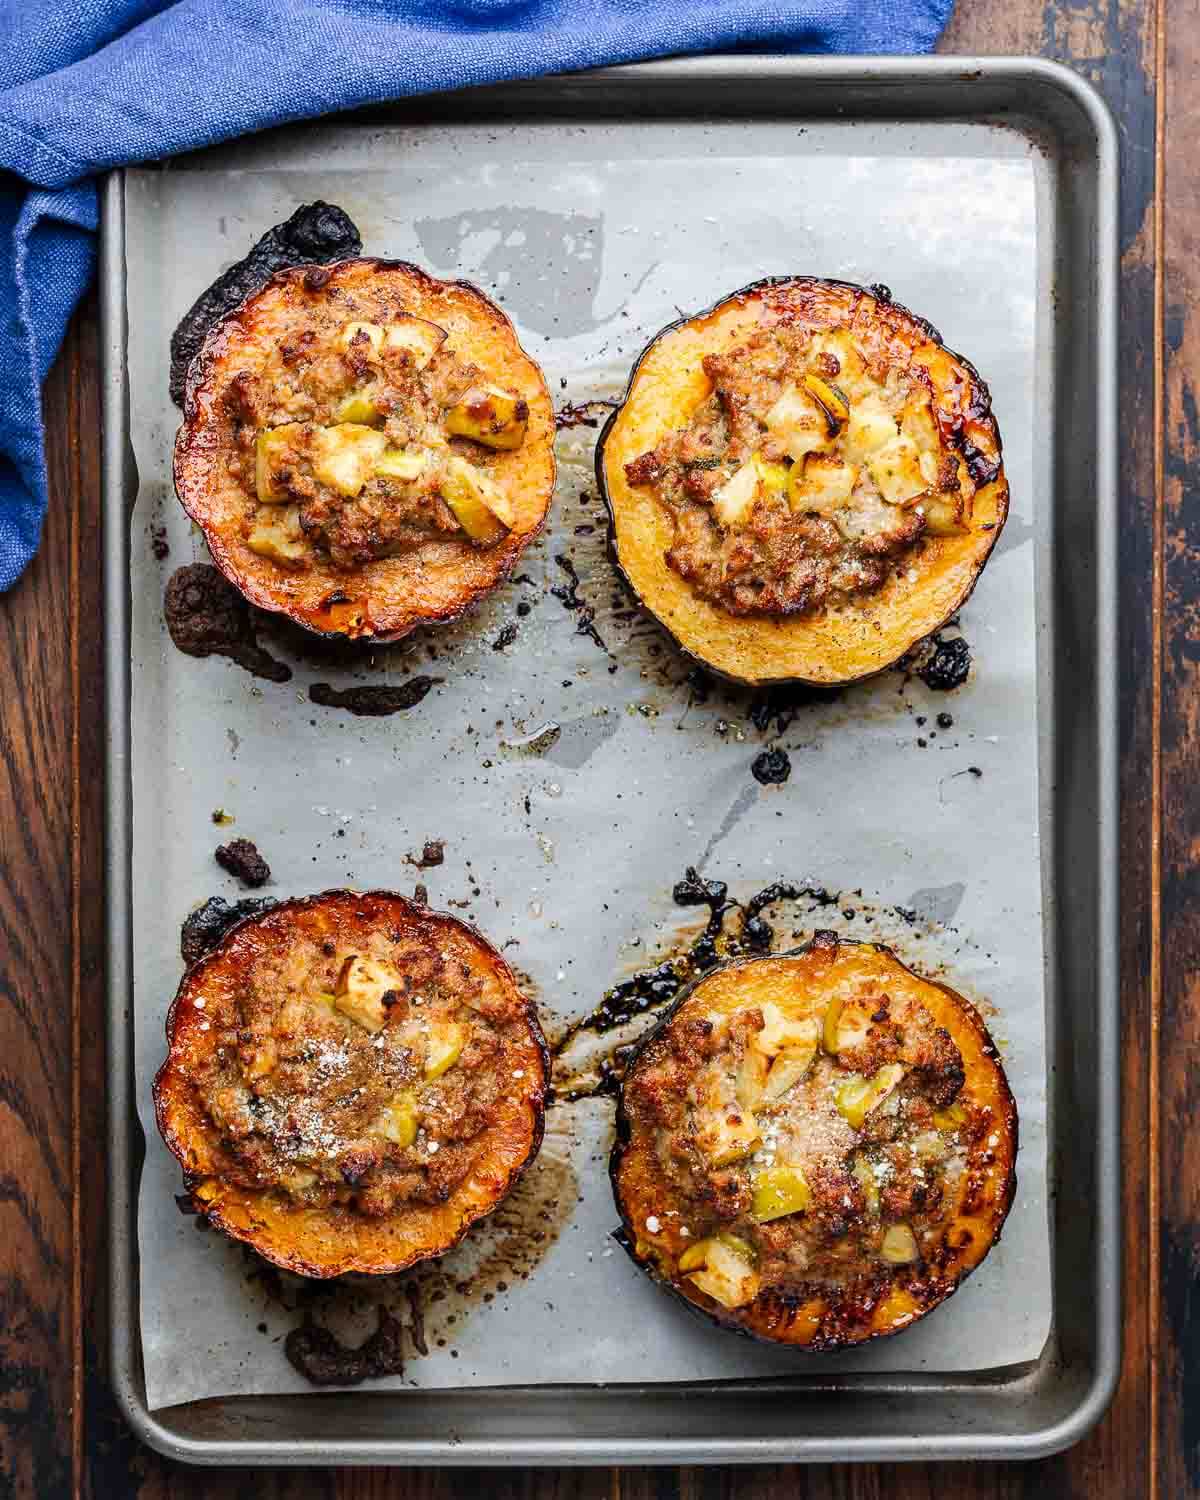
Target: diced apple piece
<point>269,446</point>
<point>480,506</point>
<point>787,1070</point>
<point>822,483</point>
<point>779,1030</point>
<point>943,515</point>
<point>773,478</point>
<point>694,1256</point>
<point>896,470</point>
<point>398,1120</point>
<point>751,1076</point>
<point>871,425</point>
<point>345,457</point>
<point>852,1094</point>
<point>494,418</point>
<point>779,1191</point>
<point>899,1247</point>
<point>402,463</point>
<point>728,1293</point>
<point>858,1096</point>
<point>738,1245</point>
<point>372,332</point>
<point>727,1277</point>
<point>852,377</point>
<point>419,338</point>
<point>800,423</point>
<point>917,422</point>
<point>358,406</point>
<point>852,1024</point>
<point>726,1138</point>
<point>277,535</point>
<point>930,1145</point>
<point>733,502</point>
<point>445,1048</point>
<point>864,1174</point>
<point>951,1117</point>
<point>362,991</point>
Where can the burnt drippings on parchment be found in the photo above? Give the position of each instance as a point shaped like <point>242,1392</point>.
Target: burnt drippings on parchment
<point>422,1309</point>
<point>204,928</point>
<point>323,1359</point>
<point>942,662</point>
<point>568,594</point>
<point>316,233</point>
<point>503,1249</point>
<point>374,700</point>
<point>757,935</point>
<point>652,989</point>
<point>433,853</point>
<point>581,413</point>
<point>771,767</point>
<point>206,616</point>
<point>779,706</point>
<point>242,859</point>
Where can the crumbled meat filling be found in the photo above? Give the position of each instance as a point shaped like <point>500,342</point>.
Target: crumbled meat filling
<point>808,473</point>
<point>358,441</point>
<point>365,1079</point>
<point>811,1167</point>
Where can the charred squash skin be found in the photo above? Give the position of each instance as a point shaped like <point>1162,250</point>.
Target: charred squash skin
<point>334,1241</point>
<point>866,633</point>
<point>388,598</point>
<point>821,1323</point>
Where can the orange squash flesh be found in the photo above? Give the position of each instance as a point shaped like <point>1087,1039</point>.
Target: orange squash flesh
<point>331,1241</point>
<point>858,635</point>
<point>386,598</point>
<point>839,1314</point>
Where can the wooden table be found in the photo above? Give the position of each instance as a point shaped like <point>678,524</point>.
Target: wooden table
<point>60,1433</point>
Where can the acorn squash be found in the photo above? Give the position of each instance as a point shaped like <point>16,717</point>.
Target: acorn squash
<point>862,1191</point>
<point>351,1082</point>
<point>366,448</point>
<point>802,482</point>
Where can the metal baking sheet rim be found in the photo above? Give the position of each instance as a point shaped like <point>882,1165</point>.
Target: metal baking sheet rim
<point>904,1439</point>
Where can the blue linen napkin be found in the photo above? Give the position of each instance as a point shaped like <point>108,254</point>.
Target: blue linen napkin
<point>99,83</point>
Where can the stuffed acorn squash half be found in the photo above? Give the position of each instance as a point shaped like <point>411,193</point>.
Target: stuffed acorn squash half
<point>352,1081</point>
<point>815,1148</point>
<point>802,482</point>
<point>365,448</point>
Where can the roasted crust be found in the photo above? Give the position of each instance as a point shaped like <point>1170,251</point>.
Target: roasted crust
<point>335,1240</point>
<point>857,637</point>
<point>389,597</point>
<point>868,1309</point>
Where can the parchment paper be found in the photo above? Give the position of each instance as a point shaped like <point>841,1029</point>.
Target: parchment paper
<point>593,238</point>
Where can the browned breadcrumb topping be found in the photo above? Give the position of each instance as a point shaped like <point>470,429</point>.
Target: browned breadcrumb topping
<point>810,473</point>
<point>836,1181</point>
<point>363,1078</point>
<point>358,441</point>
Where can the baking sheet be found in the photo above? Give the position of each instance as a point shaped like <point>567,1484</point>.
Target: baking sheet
<point>640,780</point>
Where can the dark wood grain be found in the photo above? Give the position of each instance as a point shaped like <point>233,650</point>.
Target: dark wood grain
<point>37,1254</point>
<point>1177,1432</point>
<point>60,1434</point>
